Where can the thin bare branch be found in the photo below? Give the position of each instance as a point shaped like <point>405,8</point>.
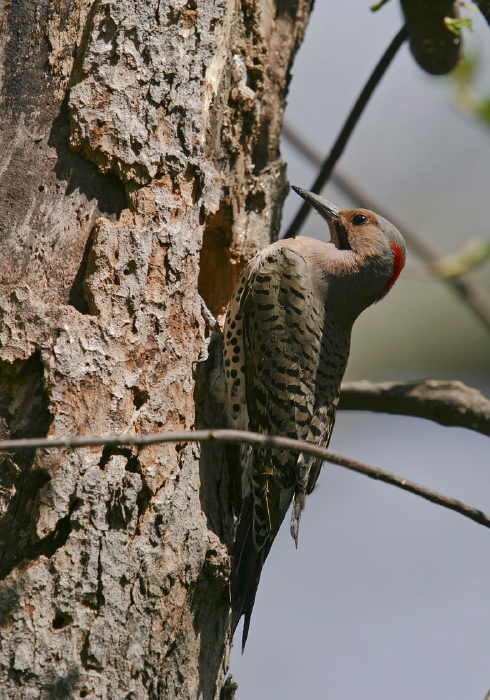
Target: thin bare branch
<point>350,124</point>
<point>476,298</point>
<point>445,401</point>
<point>266,441</point>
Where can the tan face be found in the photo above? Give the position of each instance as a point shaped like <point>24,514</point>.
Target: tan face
<point>356,229</point>
<point>360,241</point>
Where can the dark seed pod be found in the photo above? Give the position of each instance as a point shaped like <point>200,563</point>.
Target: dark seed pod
<point>484,7</point>
<point>433,45</point>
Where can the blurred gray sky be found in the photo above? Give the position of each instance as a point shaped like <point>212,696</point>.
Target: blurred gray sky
<point>387,596</point>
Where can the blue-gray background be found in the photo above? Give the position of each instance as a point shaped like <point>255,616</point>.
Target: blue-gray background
<point>388,596</point>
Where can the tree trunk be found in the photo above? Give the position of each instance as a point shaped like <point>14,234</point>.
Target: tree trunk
<point>139,168</point>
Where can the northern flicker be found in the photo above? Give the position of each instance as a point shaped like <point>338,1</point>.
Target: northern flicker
<point>287,338</point>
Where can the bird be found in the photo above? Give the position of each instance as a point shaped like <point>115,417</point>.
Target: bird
<point>286,344</point>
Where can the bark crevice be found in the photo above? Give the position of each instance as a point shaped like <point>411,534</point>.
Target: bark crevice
<point>24,412</point>
<point>128,135</point>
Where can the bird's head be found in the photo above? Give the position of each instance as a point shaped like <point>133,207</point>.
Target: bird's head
<point>369,249</point>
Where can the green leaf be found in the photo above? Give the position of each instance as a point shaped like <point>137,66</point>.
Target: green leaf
<point>472,255</point>
<point>455,24</point>
<point>484,110</point>
<point>378,5</point>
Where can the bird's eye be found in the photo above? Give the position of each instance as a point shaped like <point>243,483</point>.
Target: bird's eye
<point>359,219</point>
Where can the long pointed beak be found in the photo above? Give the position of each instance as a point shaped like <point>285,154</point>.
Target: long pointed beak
<point>327,210</point>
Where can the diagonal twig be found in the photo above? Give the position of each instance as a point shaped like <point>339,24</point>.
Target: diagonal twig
<point>265,441</point>
<point>347,129</point>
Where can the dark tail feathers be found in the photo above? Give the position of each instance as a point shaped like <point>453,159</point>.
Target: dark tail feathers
<point>246,568</point>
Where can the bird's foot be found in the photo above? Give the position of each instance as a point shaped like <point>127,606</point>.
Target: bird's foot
<point>298,507</point>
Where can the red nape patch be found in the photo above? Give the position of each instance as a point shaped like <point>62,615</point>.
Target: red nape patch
<point>397,266</point>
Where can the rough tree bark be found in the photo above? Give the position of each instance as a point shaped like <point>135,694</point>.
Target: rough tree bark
<point>139,167</point>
